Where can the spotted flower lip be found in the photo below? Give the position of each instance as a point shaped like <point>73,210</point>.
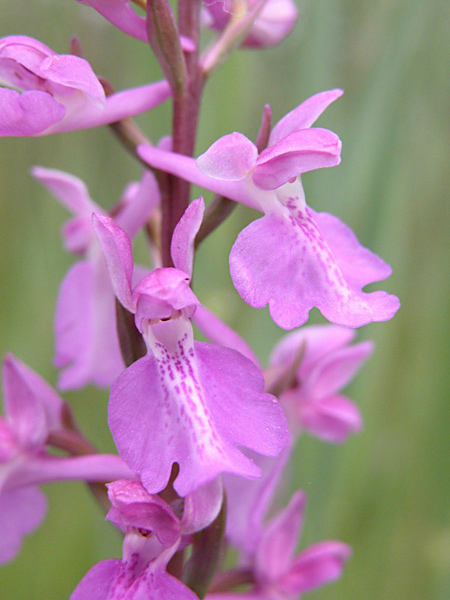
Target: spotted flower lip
<point>292,259</point>
<point>52,93</point>
<point>178,388</point>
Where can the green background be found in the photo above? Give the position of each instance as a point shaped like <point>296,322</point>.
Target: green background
<point>386,491</point>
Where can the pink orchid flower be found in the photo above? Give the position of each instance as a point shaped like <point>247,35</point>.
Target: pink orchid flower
<point>52,93</point>
<point>328,364</point>
<point>33,411</point>
<point>277,573</point>
<point>153,533</point>
<point>199,400</point>
<point>312,403</point>
<point>274,22</point>
<point>85,323</point>
<point>292,259</point>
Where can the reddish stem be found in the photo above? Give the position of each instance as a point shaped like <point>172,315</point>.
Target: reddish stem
<point>186,107</point>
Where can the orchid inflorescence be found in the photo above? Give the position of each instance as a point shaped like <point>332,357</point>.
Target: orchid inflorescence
<point>203,433</point>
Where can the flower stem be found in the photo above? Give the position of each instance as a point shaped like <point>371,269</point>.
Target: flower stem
<point>218,210</point>
<point>207,554</point>
<point>186,106</point>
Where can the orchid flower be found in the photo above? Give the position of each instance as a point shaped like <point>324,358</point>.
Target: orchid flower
<point>52,93</point>
<point>313,403</point>
<point>277,573</point>
<point>33,411</point>
<point>274,22</point>
<point>292,258</point>
<point>85,313</point>
<point>185,402</point>
<point>153,533</point>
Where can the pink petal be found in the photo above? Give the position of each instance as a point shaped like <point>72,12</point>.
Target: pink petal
<point>161,293</point>
<point>21,58</point>
<point>133,506</point>
<point>121,14</point>
<point>182,246</point>
<point>219,333</point>
<point>116,248</point>
<point>72,72</point>
<point>44,468</point>
<point>275,21</point>
<point>248,501</point>
<point>85,327</point>
<point>301,151</point>
<point>202,506</point>
<point>317,341</point>
<point>74,195</point>
<point>332,419</point>
<point>316,566</point>
<point>21,512</point>
<point>30,113</point>
<point>279,540</point>
<point>337,369</point>
<point>186,168</point>
<point>230,158</point>
<point>45,395</point>
<point>25,50</point>
<point>139,205</point>
<point>8,447</point>
<point>24,408</point>
<point>288,264</point>
<point>71,191</point>
<point>117,107</point>
<point>304,115</point>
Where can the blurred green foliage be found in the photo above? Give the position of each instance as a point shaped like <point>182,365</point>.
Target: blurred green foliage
<point>386,492</point>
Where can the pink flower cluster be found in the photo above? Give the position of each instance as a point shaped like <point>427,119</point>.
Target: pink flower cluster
<point>189,418</point>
